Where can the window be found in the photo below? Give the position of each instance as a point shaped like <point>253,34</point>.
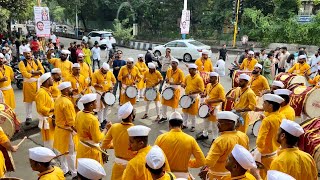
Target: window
<point>106,35</point>
<point>196,43</point>
<point>95,34</point>
<point>171,44</point>
<point>181,44</point>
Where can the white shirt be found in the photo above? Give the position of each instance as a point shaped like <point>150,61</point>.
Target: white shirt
<point>53,37</point>
<point>95,53</point>
<point>23,48</point>
<point>313,63</point>
<point>219,67</point>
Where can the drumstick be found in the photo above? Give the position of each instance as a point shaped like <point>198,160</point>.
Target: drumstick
<point>309,69</point>
<point>60,155</point>
<point>24,138</point>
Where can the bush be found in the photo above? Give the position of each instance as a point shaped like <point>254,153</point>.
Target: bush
<point>120,32</point>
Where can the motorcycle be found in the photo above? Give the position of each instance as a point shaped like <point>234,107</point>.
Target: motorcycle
<point>18,78</point>
<point>233,67</point>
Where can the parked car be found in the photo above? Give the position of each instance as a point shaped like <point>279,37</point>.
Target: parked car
<point>186,49</point>
<point>102,37</point>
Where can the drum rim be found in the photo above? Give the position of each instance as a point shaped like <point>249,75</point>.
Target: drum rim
<point>12,125</point>
<point>260,121</point>
<point>292,77</point>
<point>134,88</point>
<point>172,89</point>
<point>305,101</point>
<point>153,89</point>
<point>208,114</point>
<point>114,97</point>
<point>180,102</point>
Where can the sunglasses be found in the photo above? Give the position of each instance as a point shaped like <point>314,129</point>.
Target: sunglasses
<point>169,51</point>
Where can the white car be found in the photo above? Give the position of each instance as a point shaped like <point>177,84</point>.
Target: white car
<point>102,37</point>
<point>187,49</point>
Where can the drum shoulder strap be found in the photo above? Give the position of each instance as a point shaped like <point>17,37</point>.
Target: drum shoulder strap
<point>171,176</point>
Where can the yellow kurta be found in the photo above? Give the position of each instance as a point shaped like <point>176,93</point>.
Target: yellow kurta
<point>87,126</point>
<point>166,176</point>
<point>78,83</point>
<point>106,80</point>
<point>259,84</point>
<point>152,79</point>
<point>3,139</point>
<point>193,84</point>
<point>55,92</point>
<point>65,67</point>
<point>246,176</point>
<point>288,112</point>
<point>315,81</point>
<point>53,174</point>
<point>44,103</point>
<point>30,87</point>
<point>136,167</point>
<point>184,146</point>
<point>214,92</point>
<point>300,69</point>
<point>220,150</point>
<point>174,77</point>
<point>65,115</point>
<point>247,65</point>
<point>267,139</point>
<point>86,71</point>
<point>87,55</point>
<point>118,139</point>
<point>244,98</point>
<point>142,69</point>
<point>5,86</point>
<point>204,66</point>
<point>296,163</point>
<point>134,76</point>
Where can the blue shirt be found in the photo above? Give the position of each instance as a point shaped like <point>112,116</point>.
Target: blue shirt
<point>118,63</point>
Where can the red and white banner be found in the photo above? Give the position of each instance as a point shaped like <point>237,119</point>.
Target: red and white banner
<point>42,21</point>
<point>185,22</point>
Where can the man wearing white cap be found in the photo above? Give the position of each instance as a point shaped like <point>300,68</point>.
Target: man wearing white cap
<point>31,70</point>
<point>88,131</point>
<point>78,83</point>
<point>174,78</point>
<point>258,83</point>
<point>152,78</point>
<point>291,160</point>
<point>239,162</point>
<point>214,95</point>
<point>179,147</point>
<point>301,67</point>
<point>193,85</point>
<point>249,62</point>
<point>64,134</point>
<point>6,76</point>
<point>103,81</point>
<point>204,63</point>
<point>118,139</point>
<point>85,69</point>
<point>90,169</point>
<point>45,109</point>
<point>285,108</point>
<point>266,139</point>
<point>244,101</point>
<point>63,64</point>
<point>155,164</point>
<point>40,160</point>
<point>129,75</point>
<point>56,76</point>
<point>138,141</point>
<point>223,145</point>
<point>142,67</point>
<point>316,80</point>
<point>277,175</point>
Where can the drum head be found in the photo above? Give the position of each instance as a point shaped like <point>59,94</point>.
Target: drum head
<point>256,127</point>
<point>131,92</point>
<point>109,98</point>
<point>168,93</point>
<point>312,103</point>
<point>298,80</point>
<point>204,111</point>
<point>6,124</point>
<point>80,105</point>
<point>185,101</point>
<point>151,94</point>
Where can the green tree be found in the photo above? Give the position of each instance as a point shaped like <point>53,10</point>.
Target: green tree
<point>265,6</point>
<point>284,9</point>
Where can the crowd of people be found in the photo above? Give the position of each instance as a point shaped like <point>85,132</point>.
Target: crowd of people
<point>75,127</point>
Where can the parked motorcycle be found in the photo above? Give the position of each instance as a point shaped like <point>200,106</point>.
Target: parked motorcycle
<point>18,78</point>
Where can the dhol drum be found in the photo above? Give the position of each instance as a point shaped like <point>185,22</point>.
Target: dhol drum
<point>131,92</point>
<point>289,79</point>
<point>151,94</point>
<point>206,77</point>
<point>309,142</point>
<point>8,120</point>
<point>205,110</point>
<point>186,101</point>
<point>108,98</point>
<point>305,99</point>
<point>256,127</point>
<point>235,77</point>
<point>168,93</point>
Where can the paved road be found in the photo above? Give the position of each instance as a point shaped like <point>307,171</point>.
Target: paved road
<point>21,157</point>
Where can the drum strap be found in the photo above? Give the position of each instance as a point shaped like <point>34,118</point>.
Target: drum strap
<point>213,87</point>
<point>243,92</point>
<point>94,146</point>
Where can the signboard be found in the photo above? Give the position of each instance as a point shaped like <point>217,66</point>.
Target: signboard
<point>304,19</point>
<point>185,22</point>
<point>42,21</point>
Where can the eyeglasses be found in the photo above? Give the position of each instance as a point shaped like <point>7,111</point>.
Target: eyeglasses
<point>169,51</point>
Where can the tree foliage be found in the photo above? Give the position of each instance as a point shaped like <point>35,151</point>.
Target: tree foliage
<point>120,31</point>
